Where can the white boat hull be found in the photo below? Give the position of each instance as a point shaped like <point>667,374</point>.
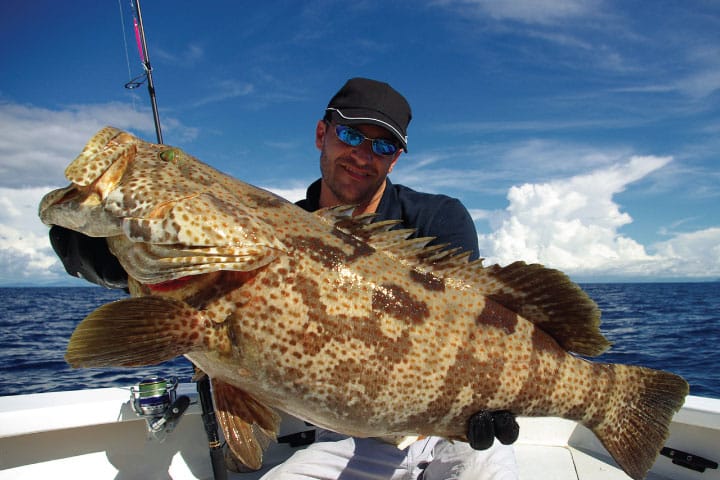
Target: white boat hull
<point>95,434</point>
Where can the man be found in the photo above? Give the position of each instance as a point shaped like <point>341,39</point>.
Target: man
<point>360,139</point>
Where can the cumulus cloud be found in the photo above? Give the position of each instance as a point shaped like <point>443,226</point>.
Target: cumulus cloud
<point>573,223</point>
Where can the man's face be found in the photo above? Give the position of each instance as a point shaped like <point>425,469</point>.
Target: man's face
<point>353,175</point>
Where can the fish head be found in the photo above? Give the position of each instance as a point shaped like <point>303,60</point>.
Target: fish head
<point>166,215</point>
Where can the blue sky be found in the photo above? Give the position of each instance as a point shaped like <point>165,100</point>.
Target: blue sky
<point>582,134</point>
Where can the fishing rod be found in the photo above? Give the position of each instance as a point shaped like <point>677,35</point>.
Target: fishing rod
<point>145,58</point>
<point>217,458</point>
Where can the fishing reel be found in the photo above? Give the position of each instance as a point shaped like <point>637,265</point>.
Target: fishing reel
<point>155,399</point>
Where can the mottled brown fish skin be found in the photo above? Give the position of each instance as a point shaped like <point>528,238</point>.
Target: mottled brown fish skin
<point>346,347</point>
<point>339,321</point>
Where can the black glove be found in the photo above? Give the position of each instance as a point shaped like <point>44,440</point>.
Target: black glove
<point>485,425</point>
<point>88,258</point>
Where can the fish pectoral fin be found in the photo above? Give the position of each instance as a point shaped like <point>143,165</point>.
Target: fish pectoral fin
<point>136,332</point>
<point>248,425</point>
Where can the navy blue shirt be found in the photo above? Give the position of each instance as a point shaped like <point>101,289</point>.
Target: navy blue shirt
<point>431,215</point>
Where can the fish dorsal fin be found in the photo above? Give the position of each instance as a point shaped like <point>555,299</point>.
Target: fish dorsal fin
<point>248,425</point>
<point>379,235</point>
<point>333,214</point>
<point>543,296</point>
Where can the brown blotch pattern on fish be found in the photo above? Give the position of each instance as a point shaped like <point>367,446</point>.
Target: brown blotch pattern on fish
<point>538,392</point>
<point>399,303</point>
<point>483,377</point>
<point>428,280</point>
<point>327,255</point>
<point>360,249</point>
<point>331,256</point>
<point>600,386</point>
<point>495,315</point>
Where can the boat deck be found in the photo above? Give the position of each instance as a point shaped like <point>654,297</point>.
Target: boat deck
<point>95,434</point>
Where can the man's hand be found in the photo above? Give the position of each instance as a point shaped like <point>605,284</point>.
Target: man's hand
<point>88,258</point>
<point>485,426</point>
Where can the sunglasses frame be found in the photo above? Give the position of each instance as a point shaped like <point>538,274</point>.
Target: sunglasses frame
<point>373,141</point>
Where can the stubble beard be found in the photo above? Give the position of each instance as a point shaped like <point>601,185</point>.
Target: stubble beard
<point>361,198</point>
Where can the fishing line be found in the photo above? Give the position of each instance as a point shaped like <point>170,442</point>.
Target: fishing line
<point>132,81</point>
<point>142,78</point>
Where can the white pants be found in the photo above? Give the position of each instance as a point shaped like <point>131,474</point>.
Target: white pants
<point>334,456</point>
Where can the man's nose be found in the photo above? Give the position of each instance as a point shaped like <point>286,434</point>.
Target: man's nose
<point>363,152</point>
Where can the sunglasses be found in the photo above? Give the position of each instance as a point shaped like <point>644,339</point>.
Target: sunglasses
<point>353,137</point>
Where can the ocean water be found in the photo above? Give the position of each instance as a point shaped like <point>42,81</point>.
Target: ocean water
<point>670,326</point>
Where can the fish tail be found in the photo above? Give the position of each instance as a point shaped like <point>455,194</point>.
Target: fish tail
<point>135,332</point>
<point>636,424</point>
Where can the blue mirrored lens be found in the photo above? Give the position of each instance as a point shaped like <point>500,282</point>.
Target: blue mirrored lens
<point>383,147</point>
<point>352,137</point>
<point>349,135</point>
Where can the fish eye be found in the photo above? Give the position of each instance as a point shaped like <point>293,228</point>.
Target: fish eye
<point>168,155</point>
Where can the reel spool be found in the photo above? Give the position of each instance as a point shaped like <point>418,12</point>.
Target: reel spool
<point>155,399</point>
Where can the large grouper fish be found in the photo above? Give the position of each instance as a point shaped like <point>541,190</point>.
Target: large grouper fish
<point>344,322</point>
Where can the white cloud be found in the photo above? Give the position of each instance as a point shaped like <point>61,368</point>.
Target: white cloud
<point>25,252</point>
<point>494,167</point>
<point>530,11</point>
<point>693,254</point>
<point>187,58</point>
<point>291,194</point>
<point>225,90</point>
<point>701,84</point>
<point>573,224</point>
<point>36,144</point>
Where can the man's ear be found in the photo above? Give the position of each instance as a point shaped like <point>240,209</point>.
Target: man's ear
<point>320,131</point>
<point>394,161</point>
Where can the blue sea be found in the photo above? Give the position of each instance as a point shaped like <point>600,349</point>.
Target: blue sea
<point>669,326</point>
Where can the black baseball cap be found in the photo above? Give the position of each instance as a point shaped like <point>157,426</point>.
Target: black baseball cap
<point>363,101</point>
